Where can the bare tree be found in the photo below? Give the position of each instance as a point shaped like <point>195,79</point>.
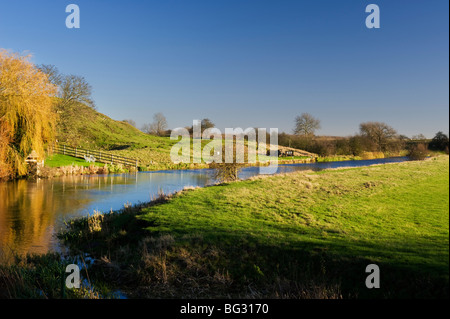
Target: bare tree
<point>130,121</point>
<point>206,124</point>
<point>52,72</point>
<point>76,89</point>
<point>306,124</point>
<point>380,134</point>
<point>419,137</point>
<point>201,126</point>
<point>227,171</point>
<point>71,88</point>
<point>157,127</point>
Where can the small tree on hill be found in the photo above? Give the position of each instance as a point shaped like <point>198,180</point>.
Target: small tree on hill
<point>130,121</point>
<point>158,126</point>
<point>72,89</point>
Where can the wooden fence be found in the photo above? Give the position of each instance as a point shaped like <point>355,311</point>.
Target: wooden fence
<point>99,156</point>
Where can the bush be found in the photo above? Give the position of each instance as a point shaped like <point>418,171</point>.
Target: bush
<point>226,172</point>
<point>418,152</point>
<point>372,155</point>
<point>439,142</point>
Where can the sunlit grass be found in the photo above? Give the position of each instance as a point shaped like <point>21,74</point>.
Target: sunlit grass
<point>304,234</point>
<point>59,160</point>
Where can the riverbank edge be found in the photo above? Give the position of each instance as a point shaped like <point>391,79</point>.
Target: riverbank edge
<point>54,172</point>
<point>94,170</point>
<point>51,259</point>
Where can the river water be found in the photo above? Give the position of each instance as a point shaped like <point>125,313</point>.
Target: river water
<point>32,212</point>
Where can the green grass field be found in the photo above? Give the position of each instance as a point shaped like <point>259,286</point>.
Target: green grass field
<point>59,160</point>
<point>301,235</point>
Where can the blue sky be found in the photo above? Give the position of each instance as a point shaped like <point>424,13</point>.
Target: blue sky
<point>248,63</point>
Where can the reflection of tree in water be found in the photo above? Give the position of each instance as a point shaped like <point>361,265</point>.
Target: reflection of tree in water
<point>205,177</point>
<point>30,211</point>
<point>24,216</point>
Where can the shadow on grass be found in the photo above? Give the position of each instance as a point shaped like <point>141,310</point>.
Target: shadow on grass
<point>219,263</point>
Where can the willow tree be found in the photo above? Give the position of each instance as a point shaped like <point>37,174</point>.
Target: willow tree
<point>5,167</point>
<point>26,109</point>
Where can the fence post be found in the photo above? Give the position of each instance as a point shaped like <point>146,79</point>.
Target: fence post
<point>76,151</point>
<point>112,159</point>
<point>64,150</point>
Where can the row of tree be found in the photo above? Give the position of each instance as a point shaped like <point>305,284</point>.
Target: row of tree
<point>33,97</point>
<point>159,126</point>
<point>372,137</point>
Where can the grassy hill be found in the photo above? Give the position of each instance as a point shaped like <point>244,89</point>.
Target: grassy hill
<point>82,126</point>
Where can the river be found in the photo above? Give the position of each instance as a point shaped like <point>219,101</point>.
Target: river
<point>32,212</point>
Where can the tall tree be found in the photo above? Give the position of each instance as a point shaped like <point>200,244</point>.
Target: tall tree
<point>26,108</point>
<point>306,125</point>
<point>380,134</point>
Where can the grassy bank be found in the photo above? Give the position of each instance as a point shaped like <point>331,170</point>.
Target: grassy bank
<point>81,126</point>
<point>58,165</point>
<point>311,236</point>
<point>59,160</point>
<point>301,235</point>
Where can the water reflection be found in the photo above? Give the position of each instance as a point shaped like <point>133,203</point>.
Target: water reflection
<point>31,212</point>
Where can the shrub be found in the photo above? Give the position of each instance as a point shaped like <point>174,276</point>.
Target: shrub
<point>226,172</point>
<point>439,142</point>
<point>418,152</point>
<point>372,155</point>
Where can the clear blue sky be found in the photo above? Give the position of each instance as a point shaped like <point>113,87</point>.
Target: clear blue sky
<point>248,63</point>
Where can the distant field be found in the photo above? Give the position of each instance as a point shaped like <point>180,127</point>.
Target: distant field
<point>302,235</point>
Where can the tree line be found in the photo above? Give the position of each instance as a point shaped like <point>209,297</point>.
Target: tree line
<point>372,137</point>
<point>35,100</point>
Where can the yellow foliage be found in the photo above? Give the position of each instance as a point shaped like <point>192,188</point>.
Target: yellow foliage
<point>372,155</point>
<point>26,108</point>
<point>5,167</point>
